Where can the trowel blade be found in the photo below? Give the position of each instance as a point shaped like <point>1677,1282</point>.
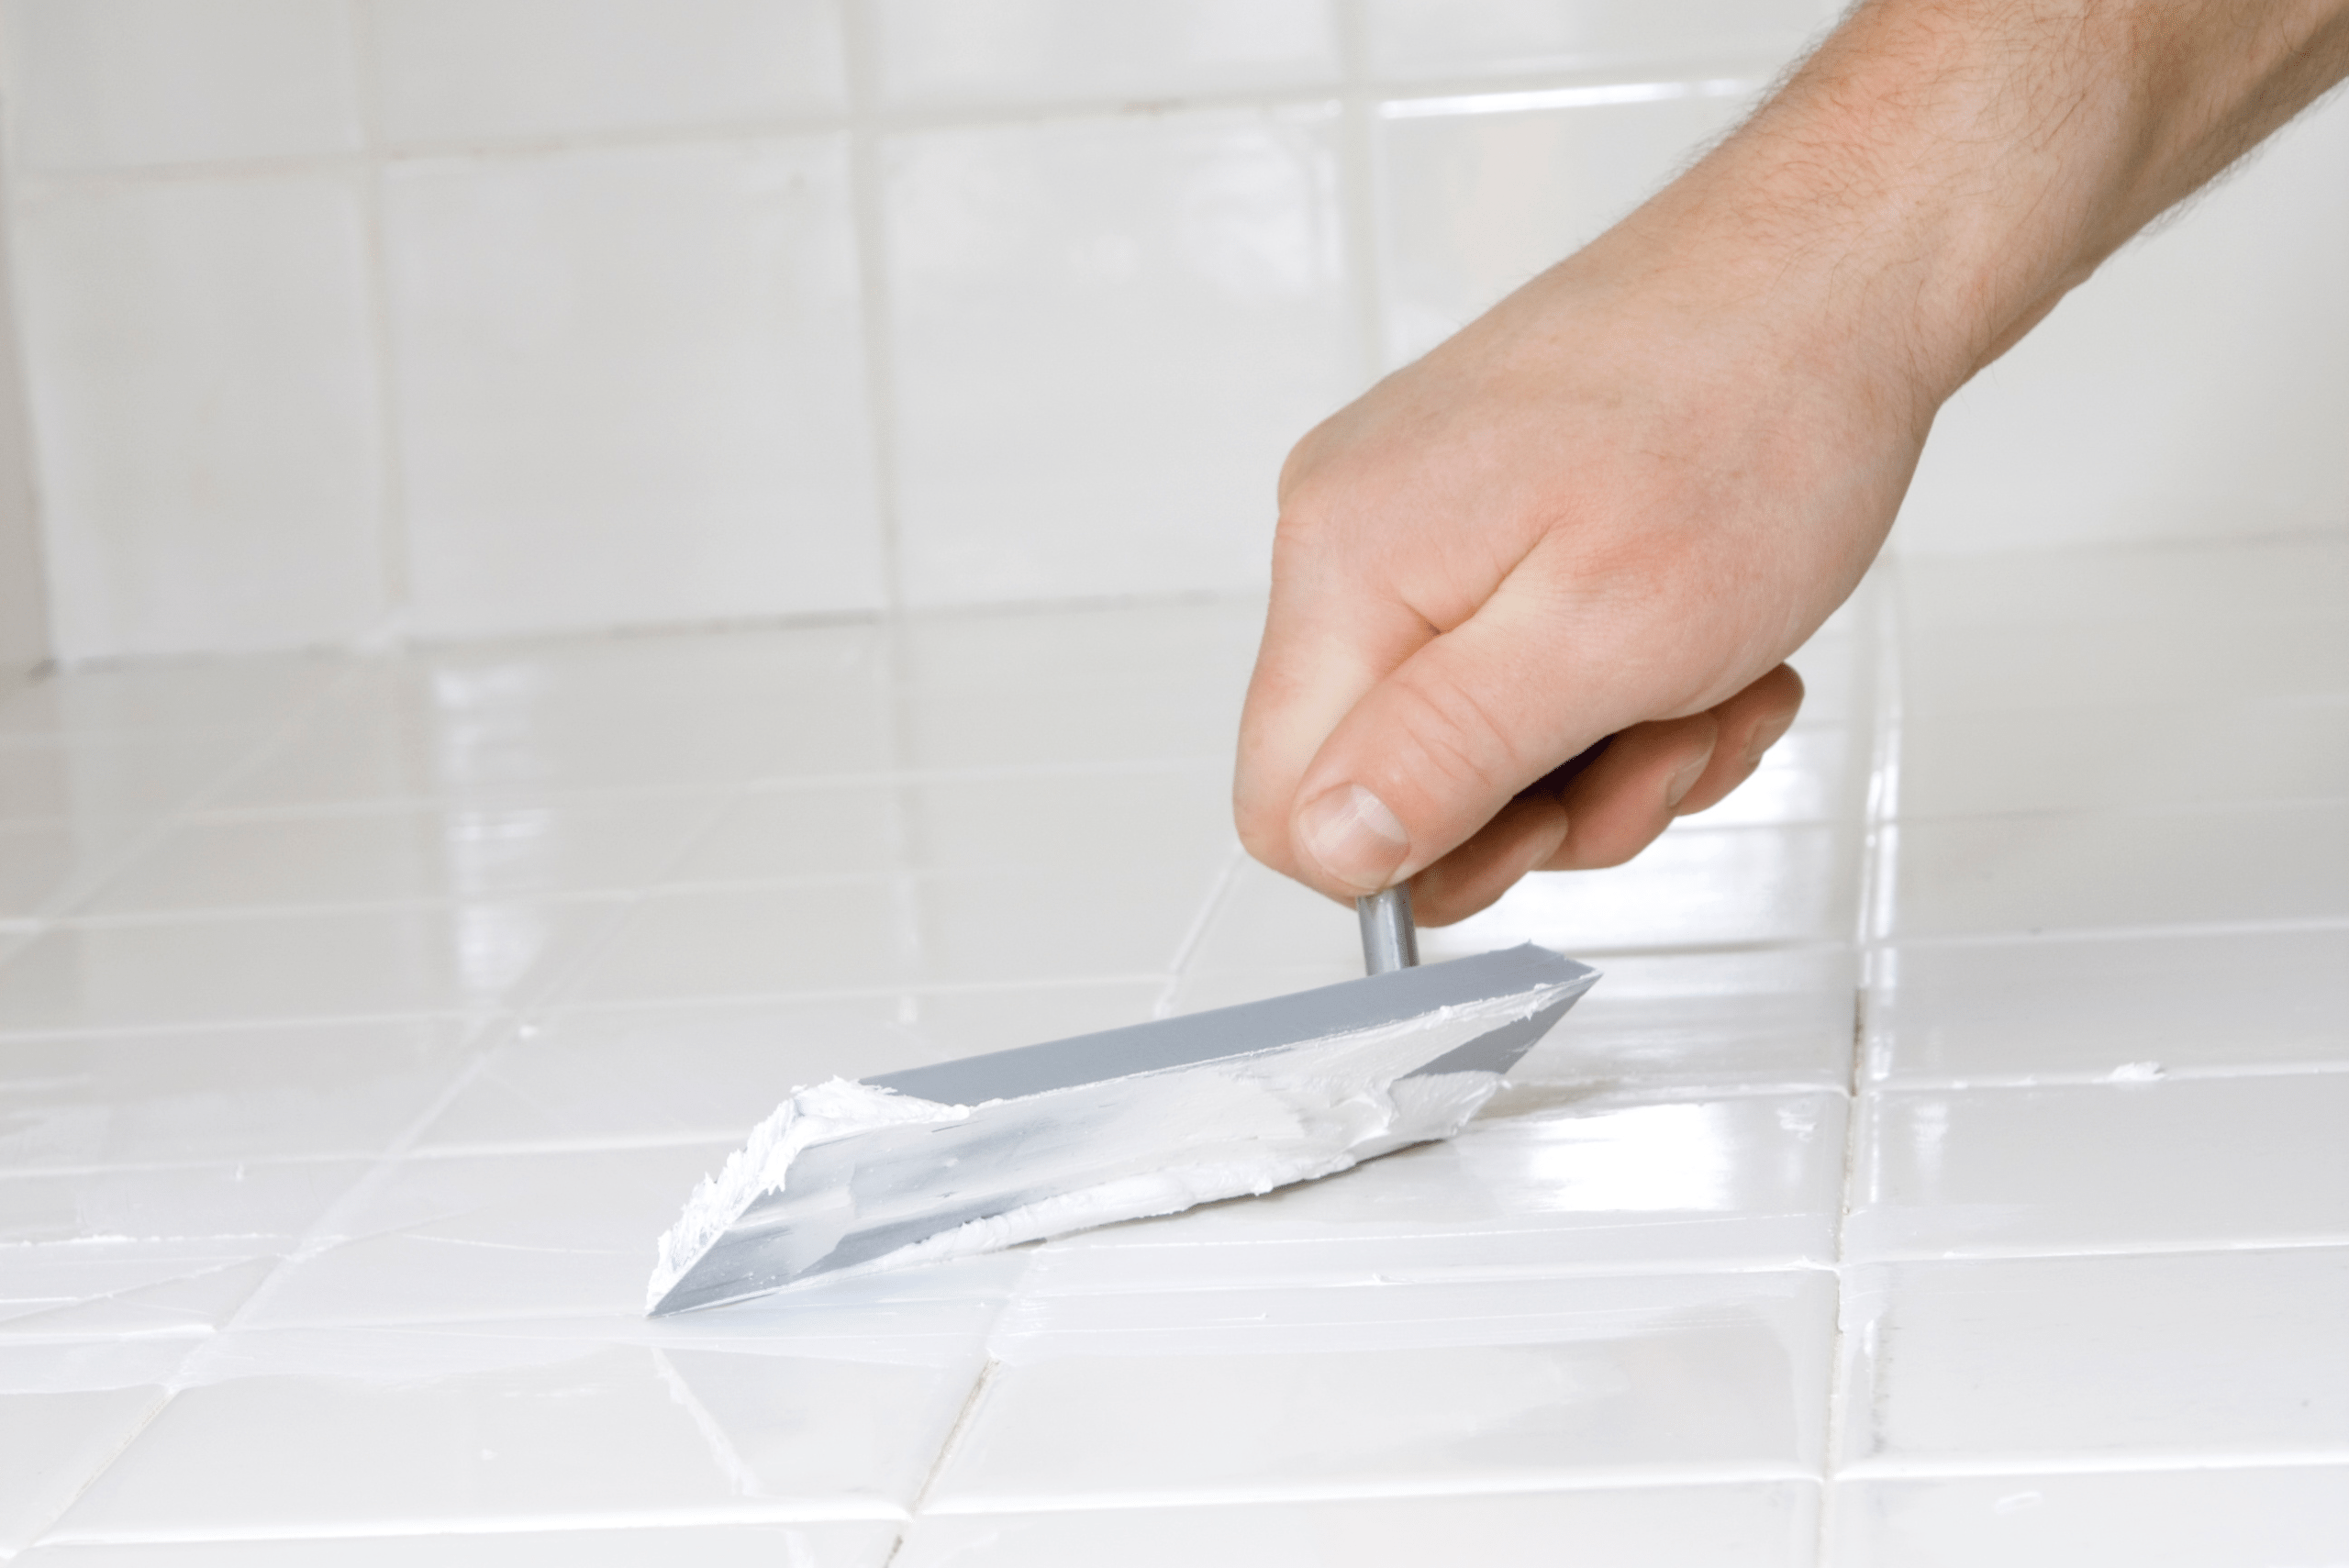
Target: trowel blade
<point>993,1150</point>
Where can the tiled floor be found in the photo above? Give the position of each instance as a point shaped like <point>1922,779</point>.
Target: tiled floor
<point>1950,1169</point>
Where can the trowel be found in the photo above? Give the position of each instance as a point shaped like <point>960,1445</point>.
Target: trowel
<point>988,1151</point>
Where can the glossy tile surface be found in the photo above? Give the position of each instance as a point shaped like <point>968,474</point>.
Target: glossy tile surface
<point>1941,1170</point>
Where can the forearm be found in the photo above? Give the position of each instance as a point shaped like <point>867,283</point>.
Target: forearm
<point>1942,172</point>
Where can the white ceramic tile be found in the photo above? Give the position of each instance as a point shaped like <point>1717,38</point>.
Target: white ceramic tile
<point>465,70</point>
<point>1476,200</point>
<point>1762,1525</point>
<point>523,724</point>
<point>1420,38</point>
<point>2019,1011</point>
<point>1697,886</point>
<point>2082,758</point>
<point>714,1072</point>
<point>2172,1519</point>
<point>2099,1361</point>
<point>1539,1184</point>
<point>2216,583</point>
<point>404,854</point>
<point>545,1433</point>
<point>954,51</point>
<point>246,1092</point>
<point>494,1236</point>
<point>1145,683</point>
<point>838,1545</point>
<point>1264,1395</point>
<point>110,83</point>
<point>2281,664</point>
<point>2196,1163</point>
<point>281,966</point>
<point>42,863</point>
<point>1158,815</point>
<point>204,410</point>
<point>52,1445</point>
<point>2016,876</point>
<point>1033,270</point>
<point>629,387</point>
<point>1113,919</point>
<point>2224,422</point>
<point>158,700</point>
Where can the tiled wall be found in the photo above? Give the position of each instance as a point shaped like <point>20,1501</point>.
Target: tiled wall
<point>352,320</point>
<point>24,599</point>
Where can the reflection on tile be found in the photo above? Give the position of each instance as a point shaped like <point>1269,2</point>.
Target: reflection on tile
<point>495,1236</point>
<point>2011,875</point>
<point>108,790</point>
<point>2198,1162</point>
<point>139,82</point>
<point>1032,267</point>
<point>576,1433</point>
<point>1445,1388</point>
<point>2072,664</point>
<point>2110,1359</point>
<point>270,967</point>
<point>403,854</point>
<point>2208,1001</point>
<point>2173,1518</point>
<point>1474,204</point>
<point>714,1072</point>
<point>836,1545</point>
<point>465,70</point>
<point>671,434</point>
<point>1970,763</point>
<point>198,360</point>
<point>246,1092</point>
<point>52,1445</point>
<point>1697,886</point>
<point>1734,1019</point>
<point>1759,1524</point>
<point>1444,37</point>
<point>946,52</point>
<point>1534,1186</point>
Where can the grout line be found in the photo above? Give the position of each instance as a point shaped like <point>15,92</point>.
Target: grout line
<point>2021,1465</point>
<point>2183,930</point>
<point>869,220</point>
<point>1187,951</point>
<point>962,1421</point>
<point>1628,1478</point>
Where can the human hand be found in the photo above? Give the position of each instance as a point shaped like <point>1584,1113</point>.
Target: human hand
<point>1613,505</point>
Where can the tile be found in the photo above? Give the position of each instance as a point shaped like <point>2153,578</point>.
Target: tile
<point>1278,1395</point>
<point>2019,1011</point>
<point>156,701</point>
<point>42,865</point>
<point>109,790</point>
<point>558,1434</point>
<point>494,1236</point>
<point>2171,1518</point>
<point>1137,684</point>
<point>1422,38</point>
<point>714,1072</point>
<point>939,52</point>
<point>2193,1162</point>
<point>1975,763</point>
<point>52,1445</point>
<point>201,375</point>
<point>1697,886</point>
<point>1759,1523</point>
<point>1172,814</point>
<point>122,82</point>
<point>839,1545</point>
<point>244,1092</point>
<point>2096,1361</point>
<point>1113,919</point>
<point>2017,876</point>
<point>2086,434</point>
<point>403,854</point>
<point>629,387</point>
<point>2220,581</point>
<point>1475,198</point>
<point>159,1253</point>
<point>278,967</point>
<point>2285,665</point>
<point>469,72</point>
<point>1030,268</point>
<point>1533,1187</point>
<point>524,724</point>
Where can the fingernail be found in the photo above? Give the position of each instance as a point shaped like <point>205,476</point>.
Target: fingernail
<point>1352,837</point>
<point>1683,781</point>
